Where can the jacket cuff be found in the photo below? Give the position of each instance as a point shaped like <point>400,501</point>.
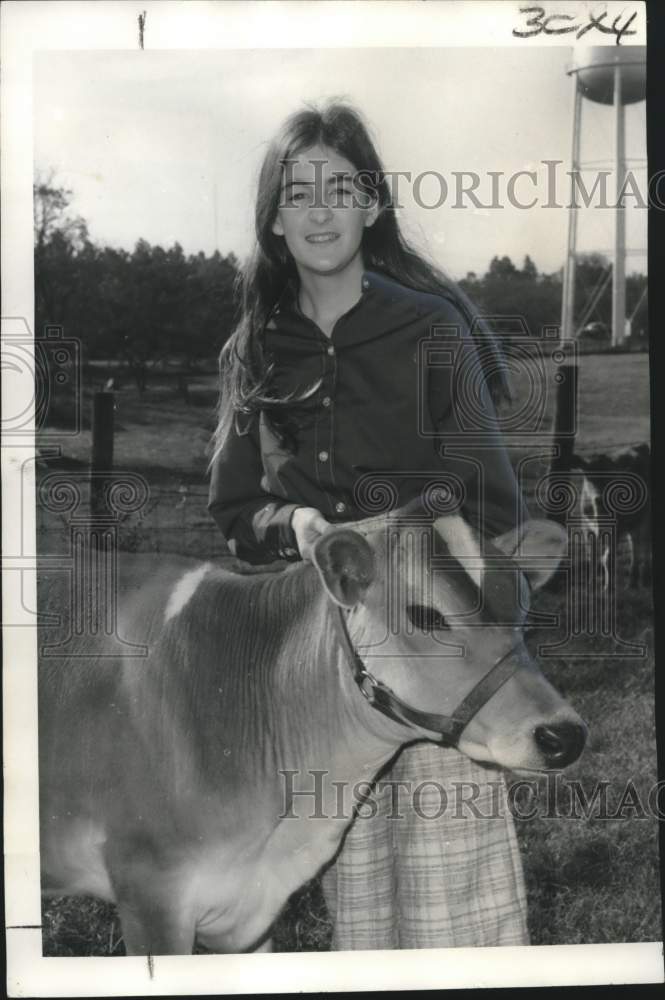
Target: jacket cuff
<point>272,526</point>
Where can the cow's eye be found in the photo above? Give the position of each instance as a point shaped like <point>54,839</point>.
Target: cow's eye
<point>426,619</point>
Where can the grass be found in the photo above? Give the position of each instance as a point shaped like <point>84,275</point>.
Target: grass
<point>157,434</point>
<point>588,880</point>
<point>167,441</point>
<point>597,880</point>
<point>613,401</point>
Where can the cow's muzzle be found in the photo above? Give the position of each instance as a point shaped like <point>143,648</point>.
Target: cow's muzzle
<point>561,743</point>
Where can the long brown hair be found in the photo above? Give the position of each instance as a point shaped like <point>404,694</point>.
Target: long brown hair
<point>244,372</point>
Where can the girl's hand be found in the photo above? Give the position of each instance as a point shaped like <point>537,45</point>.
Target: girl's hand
<point>308,524</point>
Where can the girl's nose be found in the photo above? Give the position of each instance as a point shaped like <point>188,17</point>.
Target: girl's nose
<point>320,212</point>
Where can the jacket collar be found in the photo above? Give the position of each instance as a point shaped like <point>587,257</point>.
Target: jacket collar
<point>384,306</point>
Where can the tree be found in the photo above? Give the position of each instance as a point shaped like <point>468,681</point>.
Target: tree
<point>508,292</point>
<point>501,268</point>
<point>173,307</point>
<point>529,269</point>
<point>143,307</point>
<point>49,205</point>
<point>593,279</point>
<point>59,239</point>
<point>523,296</point>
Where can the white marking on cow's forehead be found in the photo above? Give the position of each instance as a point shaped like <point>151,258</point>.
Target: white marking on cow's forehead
<point>462,544</point>
<point>184,590</point>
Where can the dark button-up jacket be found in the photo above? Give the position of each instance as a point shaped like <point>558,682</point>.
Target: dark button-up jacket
<point>400,410</point>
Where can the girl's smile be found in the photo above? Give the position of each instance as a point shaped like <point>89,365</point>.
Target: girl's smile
<point>322,237</point>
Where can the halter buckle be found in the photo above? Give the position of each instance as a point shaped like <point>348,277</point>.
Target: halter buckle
<point>367,684</point>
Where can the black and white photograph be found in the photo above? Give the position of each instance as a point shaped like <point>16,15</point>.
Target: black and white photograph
<point>327,551</point>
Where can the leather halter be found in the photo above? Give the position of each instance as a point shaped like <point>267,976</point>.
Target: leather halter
<point>450,727</point>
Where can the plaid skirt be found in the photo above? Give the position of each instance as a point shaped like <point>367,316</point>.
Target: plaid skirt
<point>433,863</point>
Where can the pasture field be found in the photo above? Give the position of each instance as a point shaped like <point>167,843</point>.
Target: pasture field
<point>590,879</point>
<point>167,440</point>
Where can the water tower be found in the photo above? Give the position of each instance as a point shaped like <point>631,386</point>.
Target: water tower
<point>616,76</point>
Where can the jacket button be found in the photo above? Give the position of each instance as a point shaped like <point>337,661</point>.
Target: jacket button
<point>331,350</point>
<point>323,456</point>
<point>365,283</point>
<point>326,401</point>
<point>290,552</point>
<point>340,507</point>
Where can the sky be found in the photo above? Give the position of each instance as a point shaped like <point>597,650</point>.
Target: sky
<point>166,145</point>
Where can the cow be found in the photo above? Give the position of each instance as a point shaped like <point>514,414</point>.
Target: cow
<point>615,508</point>
<point>162,783</point>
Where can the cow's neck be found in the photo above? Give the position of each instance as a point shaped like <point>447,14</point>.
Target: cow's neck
<point>319,712</point>
<point>316,716</point>
<point>326,741</point>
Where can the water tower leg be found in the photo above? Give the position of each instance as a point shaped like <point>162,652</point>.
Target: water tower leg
<point>619,269</point>
<point>568,291</point>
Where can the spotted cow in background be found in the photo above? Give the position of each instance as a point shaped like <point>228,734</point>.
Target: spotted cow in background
<point>615,491</point>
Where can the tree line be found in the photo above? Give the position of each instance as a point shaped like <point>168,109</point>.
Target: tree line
<point>141,307</point>
<point>506,290</point>
<point>154,304</point>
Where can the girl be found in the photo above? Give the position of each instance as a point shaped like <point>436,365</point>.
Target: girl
<point>322,401</point>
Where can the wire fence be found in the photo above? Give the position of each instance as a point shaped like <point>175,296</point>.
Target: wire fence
<point>175,520</point>
<point>140,517</point>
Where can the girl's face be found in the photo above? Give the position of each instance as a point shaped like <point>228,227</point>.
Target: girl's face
<point>321,213</point>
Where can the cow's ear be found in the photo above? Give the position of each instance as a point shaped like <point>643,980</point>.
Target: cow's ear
<point>537,546</point>
<point>345,563</point>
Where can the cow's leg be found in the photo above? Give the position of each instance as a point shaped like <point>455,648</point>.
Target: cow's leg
<point>149,930</point>
<point>221,943</point>
<point>266,945</point>
<point>154,915</point>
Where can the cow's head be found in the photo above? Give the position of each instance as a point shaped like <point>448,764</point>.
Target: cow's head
<point>429,613</point>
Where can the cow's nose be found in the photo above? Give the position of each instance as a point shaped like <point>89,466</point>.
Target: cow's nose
<point>561,744</point>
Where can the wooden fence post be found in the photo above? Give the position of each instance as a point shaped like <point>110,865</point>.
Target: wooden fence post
<point>565,420</point>
<point>102,450</point>
<point>565,425</point>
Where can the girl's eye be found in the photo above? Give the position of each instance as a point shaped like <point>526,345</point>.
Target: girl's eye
<point>343,191</point>
<point>426,619</point>
<point>298,195</point>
